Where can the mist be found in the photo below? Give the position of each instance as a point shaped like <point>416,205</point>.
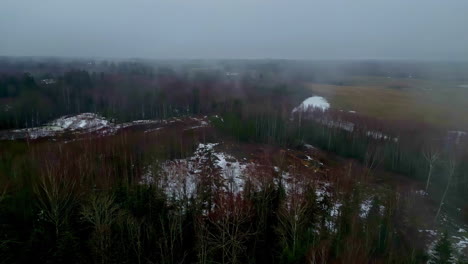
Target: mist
<point>242,131</point>
<point>364,29</point>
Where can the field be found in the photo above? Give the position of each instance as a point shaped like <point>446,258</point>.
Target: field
<point>441,104</point>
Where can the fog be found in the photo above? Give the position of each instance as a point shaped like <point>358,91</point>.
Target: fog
<point>248,29</point>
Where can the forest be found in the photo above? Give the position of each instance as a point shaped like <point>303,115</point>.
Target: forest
<point>215,166</point>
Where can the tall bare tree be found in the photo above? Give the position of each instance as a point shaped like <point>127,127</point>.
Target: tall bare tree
<point>230,227</point>
<point>431,155</point>
<point>451,171</point>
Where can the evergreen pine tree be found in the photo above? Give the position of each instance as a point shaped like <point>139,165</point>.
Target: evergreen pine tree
<point>442,251</point>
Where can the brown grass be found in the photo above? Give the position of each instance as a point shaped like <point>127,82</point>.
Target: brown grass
<point>440,104</point>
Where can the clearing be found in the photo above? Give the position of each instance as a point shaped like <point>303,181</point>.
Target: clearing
<point>441,104</point>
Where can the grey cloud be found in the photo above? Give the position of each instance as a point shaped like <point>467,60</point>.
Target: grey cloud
<point>361,29</point>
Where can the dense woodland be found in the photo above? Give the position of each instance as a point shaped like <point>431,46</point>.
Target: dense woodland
<point>82,201</point>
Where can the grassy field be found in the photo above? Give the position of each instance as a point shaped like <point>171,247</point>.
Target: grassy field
<point>438,103</point>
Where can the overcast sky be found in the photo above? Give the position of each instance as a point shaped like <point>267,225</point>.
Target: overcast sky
<point>289,29</point>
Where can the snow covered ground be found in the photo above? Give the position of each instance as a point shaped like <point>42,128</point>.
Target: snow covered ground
<point>314,102</point>
<point>81,123</point>
<point>88,123</point>
<point>345,125</point>
<point>350,127</point>
<point>456,136</point>
<point>459,241</point>
<point>365,208</point>
<point>318,102</point>
<point>179,178</point>
<point>379,135</point>
<point>85,121</point>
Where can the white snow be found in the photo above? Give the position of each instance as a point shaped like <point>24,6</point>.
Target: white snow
<point>180,177</point>
<point>218,117</point>
<point>334,213</point>
<point>316,102</point>
<point>350,127</point>
<point>345,125</point>
<point>48,81</point>
<point>84,121</point>
<point>201,123</point>
<point>461,244</point>
<point>456,136</point>
<point>379,135</point>
<point>309,146</point>
<point>365,208</point>
<point>153,130</point>
<point>322,190</point>
<point>139,122</point>
<point>430,232</point>
<point>335,210</point>
<point>421,192</point>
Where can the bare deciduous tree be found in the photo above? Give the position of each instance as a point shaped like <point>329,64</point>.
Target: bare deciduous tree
<point>172,237</point>
<point>101,212</point>
<point>202,234</point>
<point>431,155</point>
<point>135,228</point>
<point>373,158</point>
<point>451,171</point>
<point>56,197</point>
<point>230,227</point>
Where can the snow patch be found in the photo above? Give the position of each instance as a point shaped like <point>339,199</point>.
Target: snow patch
<point>421,192</point>
<point>201,123</point>
<point>379,135</point>
<point>335,210</point>
<point>87,123</point>
<point>308,146</point>
<point>314,102</point>
<point>180,178</point>
<point>455,136</point>
<point>461,244</point>
<point>84,121</point>
<point>365,208</point>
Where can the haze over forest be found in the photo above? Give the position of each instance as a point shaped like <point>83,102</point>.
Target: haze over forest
<point>234,131</point>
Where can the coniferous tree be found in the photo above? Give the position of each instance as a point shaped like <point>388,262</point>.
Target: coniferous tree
<point>442,251</point>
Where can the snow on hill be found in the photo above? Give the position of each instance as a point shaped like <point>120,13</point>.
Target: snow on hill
<point>93,123</point>
<point>81,123</point>
<point>312,102</point>
<point>85,121</point>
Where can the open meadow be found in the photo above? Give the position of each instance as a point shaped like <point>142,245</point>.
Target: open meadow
<point>439,103</point>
